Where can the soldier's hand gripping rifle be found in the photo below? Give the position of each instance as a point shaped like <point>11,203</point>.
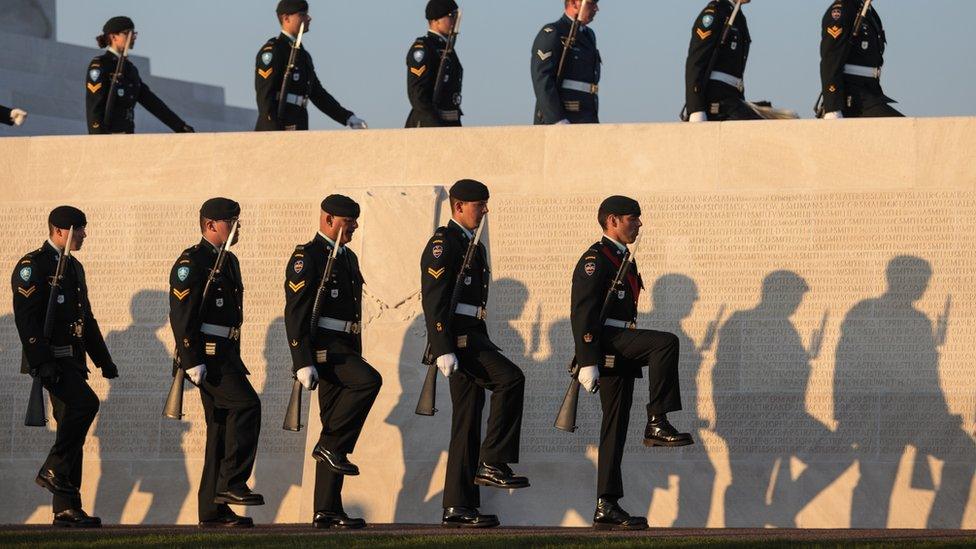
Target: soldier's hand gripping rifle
<point>568,44</point>
<point>566,418</point>
<point>174,401</point>
<point>36,414</point>
<point>445,59</point>
<point>289,69</point>
<point>818,108</point>
<point>707,75</point>
<point>293,414</point>
<point>119,66</point>
<point>428,394</point>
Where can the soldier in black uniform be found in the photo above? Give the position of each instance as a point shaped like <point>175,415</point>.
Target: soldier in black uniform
<point>331,355</point>
<point>12,117</point>
<point>716,92</point>
<point>423,63</point>
<point>208,341</point>
<point>60,361</point>
<point>129,90</point>
<point>611,353</point>
<point>304,85</point>
<point>572,99</point>
<point>465,354</point>
<point>850,68</point>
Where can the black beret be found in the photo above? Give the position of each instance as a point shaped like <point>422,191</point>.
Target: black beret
<point>118,24</point>
<point>342,206</point>
<point>469,190</point>
<point>619,205</point>
<point>288,7</point>
<point>219,209</point>
<point>440,8</point>
<point>65,217</point>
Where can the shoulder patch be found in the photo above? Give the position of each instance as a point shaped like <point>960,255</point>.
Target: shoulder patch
<point>182,273</point>
<point>25,273</point>
<point>266,58</point>
<point>707,21</point>
<point>419,54</point>
<point>94,74</point>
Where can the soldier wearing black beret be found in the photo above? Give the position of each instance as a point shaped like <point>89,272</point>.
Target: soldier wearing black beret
<point>303,84</point>
<point>207,330</point>
<point>465,354</point>
<point>59,360</point>
<point>850,67</point>
<point>570,98</point>
<point>611,353</point>
<point>423,63</point>
<point>327,351</point>
<point>129,88</point>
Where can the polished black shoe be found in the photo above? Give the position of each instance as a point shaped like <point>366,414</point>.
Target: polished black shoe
<point>239,496</point>
<point>499,476</point>
<point>228,520</point>
<point>76,518</point>
<point>337,519</point>
<point>55,483</point>
<point>467,517</point>
<point>660,432</point>
<point>335,461</point>
<point>609,516</point>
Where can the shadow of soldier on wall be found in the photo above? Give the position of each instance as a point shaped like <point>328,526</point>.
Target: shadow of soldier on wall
<point>759,382</point>
<point>673,297</point>
<point>139,449</point>
<point>887,396</point>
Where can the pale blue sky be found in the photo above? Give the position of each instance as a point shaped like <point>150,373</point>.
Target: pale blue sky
<point>359,47</point>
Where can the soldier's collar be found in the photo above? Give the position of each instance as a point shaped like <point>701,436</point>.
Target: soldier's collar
<point>466,232</point>
<point>289,36</point>
<point>437,34</point>
<point>57,250</point>
<point>113,51</point>
<point>331,242</point>
<point>621,247</point>
<point>205,242</point>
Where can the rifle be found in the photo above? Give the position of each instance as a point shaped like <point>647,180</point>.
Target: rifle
<point>174,401</point>
<point>282,97</point>
<point>119,65</point>
<point>718,49</point>
<point>566,418</point>
<point>445,57</point>
<point>428,394</point>
<point>293,414</point>
<point>36,414</point>
<point>570,40</point>
<point>818,108</point>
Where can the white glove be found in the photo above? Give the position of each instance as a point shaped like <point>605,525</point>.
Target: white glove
<point>197,374</point>
<point>308,377</point>
<point>356,123</point>
<point>17,116</point>
<point>447,364</point>
<point>699,116</point>
<point>589,378</point>
<point>561,122</point>
<point>836,115</point>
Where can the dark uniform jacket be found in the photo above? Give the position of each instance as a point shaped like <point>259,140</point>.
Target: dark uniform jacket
<point>5,116</point>
<point>224,307</point>
<point>583,62</point>
<point>423,62</point>
<point>342,299</point>
<point>732,57</point>
<point>836,50</point>
<point>74,323</point>
<point>448,332</point>
<point>592,278</point>
<point>129,90</point>
<point>270,65</point>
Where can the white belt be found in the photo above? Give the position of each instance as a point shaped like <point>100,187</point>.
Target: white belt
<point>337,325</point>
<point>726,78</point>
<point>295,99</point>
<point>860,70</point>
<point>66,351</point>
<point>220,331</point>
<point>613,323</point>
<point>470,310</point>
<point>449,116</point>
<point>584,87</point>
